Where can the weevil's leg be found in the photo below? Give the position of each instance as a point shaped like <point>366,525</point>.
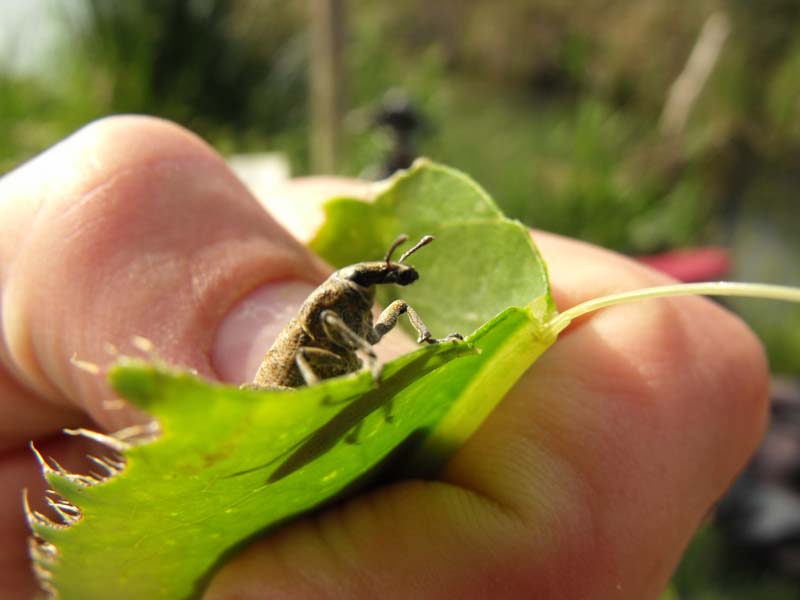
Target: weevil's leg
<point>451,337</point>
<point>388,319</point>
<point>425,334</point>
<point>337,330</point>
<point>318,355</point>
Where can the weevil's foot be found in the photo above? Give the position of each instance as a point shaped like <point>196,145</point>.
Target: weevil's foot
<point>450,338</point>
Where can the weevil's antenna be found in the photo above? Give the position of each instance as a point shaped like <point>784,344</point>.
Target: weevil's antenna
<point>426,239</point>
<point>401,239</point>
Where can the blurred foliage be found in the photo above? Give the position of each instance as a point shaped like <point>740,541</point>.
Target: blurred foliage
<point>709,572</point>
<point>553,106</point>
<point>232,71</point>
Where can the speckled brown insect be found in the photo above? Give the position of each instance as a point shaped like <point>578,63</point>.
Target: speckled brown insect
<point>335,322</point>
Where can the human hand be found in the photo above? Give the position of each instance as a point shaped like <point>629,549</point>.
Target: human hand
<point>587,481</point>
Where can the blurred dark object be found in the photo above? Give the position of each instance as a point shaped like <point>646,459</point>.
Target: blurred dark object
<point>760,516</point>
<point>401,121</point>
<point>691,264</point>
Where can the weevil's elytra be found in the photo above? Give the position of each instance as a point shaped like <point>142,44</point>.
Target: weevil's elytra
<point>335,322</point>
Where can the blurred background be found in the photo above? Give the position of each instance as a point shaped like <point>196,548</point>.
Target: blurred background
<point>668,131</point>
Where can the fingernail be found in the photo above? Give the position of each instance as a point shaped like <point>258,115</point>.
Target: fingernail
<point>251,326</point>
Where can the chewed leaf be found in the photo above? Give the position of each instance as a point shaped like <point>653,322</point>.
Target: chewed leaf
<point>228,464</point>
<point>224,464</point>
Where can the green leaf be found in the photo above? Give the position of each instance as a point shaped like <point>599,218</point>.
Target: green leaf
<point>230,464</point>
<point>480,263</point>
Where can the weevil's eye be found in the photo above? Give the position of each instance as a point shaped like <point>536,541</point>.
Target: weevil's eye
<point>407,275</point>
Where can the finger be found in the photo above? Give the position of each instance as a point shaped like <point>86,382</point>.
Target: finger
<point>626,432</point>
<point>130,227</point>
<point>587,481</point>
<point>20,471</point>
<point>580,271</point>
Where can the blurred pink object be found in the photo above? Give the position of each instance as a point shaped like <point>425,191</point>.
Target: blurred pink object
<point>691,264</point>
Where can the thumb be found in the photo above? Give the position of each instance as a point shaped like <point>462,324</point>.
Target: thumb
<point>133,226</point>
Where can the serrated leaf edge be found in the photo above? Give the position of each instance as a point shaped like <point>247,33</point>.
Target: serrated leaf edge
<point>44,554</point>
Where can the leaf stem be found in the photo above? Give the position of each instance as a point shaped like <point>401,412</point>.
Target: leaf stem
<point>716,288</point>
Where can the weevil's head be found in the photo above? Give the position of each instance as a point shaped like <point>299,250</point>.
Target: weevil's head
<point>368,274</point>
<point>386,271</point>
<point>396,272</point>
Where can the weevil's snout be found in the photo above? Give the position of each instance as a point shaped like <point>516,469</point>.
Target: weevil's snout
<point>406,274</point>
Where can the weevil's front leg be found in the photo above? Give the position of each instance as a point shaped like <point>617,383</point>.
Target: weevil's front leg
<point>337,330</point>
<point>304,357</point>
<point>388,319</point>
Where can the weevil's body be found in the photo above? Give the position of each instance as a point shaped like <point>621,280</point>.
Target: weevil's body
<point>335,321</point>
<point>353,303</point>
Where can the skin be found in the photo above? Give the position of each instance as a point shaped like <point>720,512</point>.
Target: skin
<point>586,482</point>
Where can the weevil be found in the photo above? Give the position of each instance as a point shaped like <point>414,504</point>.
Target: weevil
<point>335,322</point>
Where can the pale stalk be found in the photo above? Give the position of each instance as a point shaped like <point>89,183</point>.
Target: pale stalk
<point>717,288</point>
